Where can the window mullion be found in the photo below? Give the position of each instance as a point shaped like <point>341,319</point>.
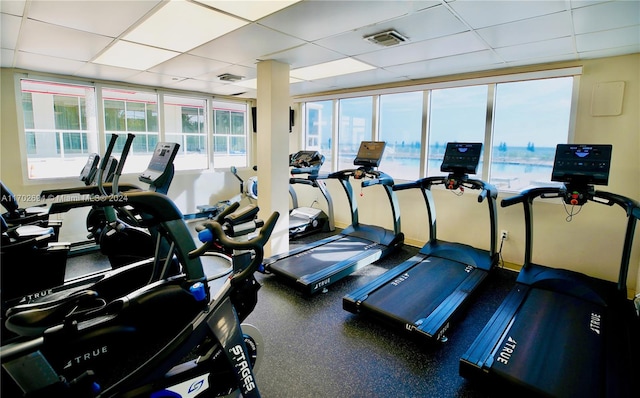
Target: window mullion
<point>488,132</point>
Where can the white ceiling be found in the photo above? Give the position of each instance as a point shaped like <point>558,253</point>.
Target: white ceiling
<point>445,37</point>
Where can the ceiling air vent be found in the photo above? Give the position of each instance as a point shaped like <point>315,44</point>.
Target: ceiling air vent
<point>228,77</point>
<point>386,39</point>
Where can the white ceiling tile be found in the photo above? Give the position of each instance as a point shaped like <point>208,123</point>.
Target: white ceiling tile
<point>13,7</point>
<point>539,49</point>
<point>609,39</point>
<point>529,30</point>
<point>428,24</point>
<point>9,30</point>
<point>105,72</point>
<point>108,18</point>
<point>46,39</point>
<point>304,87</point>
<point>480,14</point>
<point>246,73</point>
<point>610,52</point>
<point>153,79</point>
<point>45,63</point>
<point>186,65</point>
<point>305,55</point>
<point>606,16</point>
<point>6,58</point>
<point>428,49</point>
<point>447,65</point>
<point>247,43</point>
<point>313,20</point>
<point>366,78</point>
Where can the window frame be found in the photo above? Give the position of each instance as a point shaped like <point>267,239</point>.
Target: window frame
<point>101,134</point>
<point>490,81</point>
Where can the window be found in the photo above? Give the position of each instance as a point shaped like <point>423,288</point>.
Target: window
<point>319,129</point>
<point>531,118</point>
<point>229,134</point>
<point>355,126</point>
<point>457,114</point>
<point>519,122</point>
<point>60,130</point>
<point>136,112</point>
<point>185,123</point>
<point>401,128</point>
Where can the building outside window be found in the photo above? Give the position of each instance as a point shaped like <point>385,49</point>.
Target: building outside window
<point>229,134</point>
<point>356,117</point>
<point>136,112</point>
<point>401,129</point>
<point>185,122</point>
<point>319,129</point>
<point>60,127</point>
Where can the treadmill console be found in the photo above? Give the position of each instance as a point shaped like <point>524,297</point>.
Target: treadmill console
<point>306,159</point>
<point>88,173</point>
<point>580,167</point>
<point>161,164</point>
<point>370,154</point>
<point>461,158</point>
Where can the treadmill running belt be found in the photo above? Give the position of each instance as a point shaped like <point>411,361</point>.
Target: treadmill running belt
<point>562,338</point>
<point>417,292</point>
<point>322,257</point>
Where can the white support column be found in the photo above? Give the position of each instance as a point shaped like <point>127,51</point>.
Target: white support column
<point>273,150</point>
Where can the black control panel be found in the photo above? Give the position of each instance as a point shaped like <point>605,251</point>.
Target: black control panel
<point>161,164</point>
<point>461,157</point>
<point>370,153</point>
<point>582,164</point>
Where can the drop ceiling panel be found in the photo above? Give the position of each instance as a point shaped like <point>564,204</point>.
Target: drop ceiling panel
<point>10,31</point>
<point>248,43</point>
<point>606,16</point>
<point>470,62</point>
<point>313,20</point>
<point>46,39</point>
<point>12,7</point>
<point>610,38</point>
<point>367,78</point>
<point>428,24</point>
<point>428,49</point>
<point>105,72</point>
<point>45,63</point>
<point>108,18</point>
<point>153,79</point>
<point>529,30</point>
<point>305,55</point>
<point>560,48</point>
<point>480,14</point>
<point>6,58</point>
<point>187,65</point>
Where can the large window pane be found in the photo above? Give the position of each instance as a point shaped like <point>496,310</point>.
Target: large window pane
<point>531,118</point>
<point>60,127</point>
<point>356,115</point>
<point>229,134</point>
<point>319,129</point>
<point>457,115</point>
<point>131,111</point>
<point>401,128</point>
<point>185,124</point>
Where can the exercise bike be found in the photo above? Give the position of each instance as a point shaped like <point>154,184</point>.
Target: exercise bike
<point>170,338</point>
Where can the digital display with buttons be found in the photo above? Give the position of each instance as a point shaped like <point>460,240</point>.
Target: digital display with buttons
<point>582,164</point>
<point>370,153</point>
<point>460,157</point>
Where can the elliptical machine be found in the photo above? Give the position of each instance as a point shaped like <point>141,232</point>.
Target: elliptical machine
<point>171,337</point>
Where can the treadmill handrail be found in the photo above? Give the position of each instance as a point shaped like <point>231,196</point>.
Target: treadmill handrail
<point>630,206</point>
<point>487,190</point>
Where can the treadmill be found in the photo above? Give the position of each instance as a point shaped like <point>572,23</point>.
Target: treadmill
<point>558,332</point>
<point>304,220</point>
<point>314,267</point>
<point>424,294</point>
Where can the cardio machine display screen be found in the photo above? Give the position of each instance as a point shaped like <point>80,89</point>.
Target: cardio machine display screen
<point>461,157</point>
<point>582,164</point>
<point>370,153</point>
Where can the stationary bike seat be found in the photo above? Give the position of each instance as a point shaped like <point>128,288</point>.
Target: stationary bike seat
<point>34,319</point>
